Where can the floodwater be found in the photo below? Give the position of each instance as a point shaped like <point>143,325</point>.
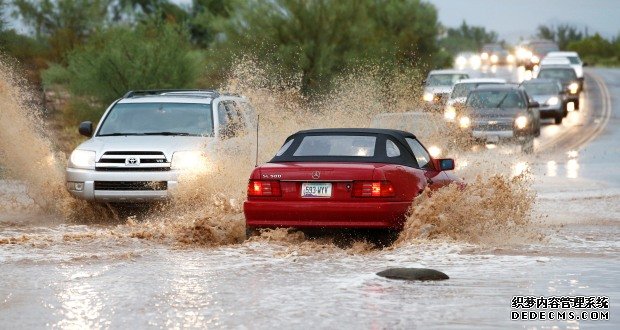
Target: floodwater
<point>113,275</point>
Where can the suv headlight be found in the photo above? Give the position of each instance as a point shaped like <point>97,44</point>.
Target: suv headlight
<point>83,159</point>
<point>553,100</point>
<point>521,122</point>
<point>428,97</point>
<point>188,160</point>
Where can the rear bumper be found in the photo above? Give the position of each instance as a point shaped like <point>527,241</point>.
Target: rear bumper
<point>88,178</point>
<point>325,214</point>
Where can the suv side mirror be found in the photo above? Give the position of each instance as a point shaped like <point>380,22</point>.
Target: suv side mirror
<point>534,104</point>
<point>86,128</point>
<point>444,164</point>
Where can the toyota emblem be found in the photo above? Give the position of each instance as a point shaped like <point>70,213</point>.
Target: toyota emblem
<point>316,175</point>
<point>132,161</point>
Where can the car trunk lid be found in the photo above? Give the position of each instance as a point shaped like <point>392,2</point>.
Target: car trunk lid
<point>312,180</point>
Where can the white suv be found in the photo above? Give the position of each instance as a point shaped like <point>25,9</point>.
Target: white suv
<point>147,138</point>
<point>572,59</point>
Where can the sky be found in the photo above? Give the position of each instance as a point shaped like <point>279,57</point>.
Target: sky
<point>513,19</point>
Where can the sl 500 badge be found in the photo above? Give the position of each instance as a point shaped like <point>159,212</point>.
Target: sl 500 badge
<point>272,176</point>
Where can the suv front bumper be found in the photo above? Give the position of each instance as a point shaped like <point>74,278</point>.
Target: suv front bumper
<point>87,178</point>
<point>494,136</point>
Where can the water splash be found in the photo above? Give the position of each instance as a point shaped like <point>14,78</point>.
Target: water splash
<point>207,209</point>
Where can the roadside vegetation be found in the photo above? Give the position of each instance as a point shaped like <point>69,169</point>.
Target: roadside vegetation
<point>593,49</point>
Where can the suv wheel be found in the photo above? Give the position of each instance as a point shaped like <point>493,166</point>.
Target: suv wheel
<point>558,119</point>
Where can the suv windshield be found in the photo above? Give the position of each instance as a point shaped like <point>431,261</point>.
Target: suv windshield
<point>562,74</point>
<point>444,79</point>
<point>462,89</point>
<point>193,119</point>
<point>495,99</point>
<point>541,89</point>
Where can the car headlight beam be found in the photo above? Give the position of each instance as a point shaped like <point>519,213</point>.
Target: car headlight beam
<point>188,160</point>
<point>450,113</point>
<point>553,100</point>
<point>521,122</point>
<point>464,122</point>
<point>83,159</point>
<point>434,151</point>
<point>573,88</point>
<point>428,97</point>
<point>461,61</point>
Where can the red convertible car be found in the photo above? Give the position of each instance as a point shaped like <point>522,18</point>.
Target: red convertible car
<point>343,178</point>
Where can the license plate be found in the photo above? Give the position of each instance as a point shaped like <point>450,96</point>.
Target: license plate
<point>314,189</point>
<point>493,138</point>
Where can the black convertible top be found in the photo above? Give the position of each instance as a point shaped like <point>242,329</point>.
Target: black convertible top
<point>328,131</point>
<point>406,156</point>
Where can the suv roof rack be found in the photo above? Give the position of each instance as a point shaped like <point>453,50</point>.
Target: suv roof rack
<point>184,92</point>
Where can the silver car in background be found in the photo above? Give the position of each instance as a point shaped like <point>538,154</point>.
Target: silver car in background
<point>146,139</point>
<point>549,95</point>
<point>573,59</point>
<point>459,93</point>
<point>567,77</point>
<point>502,113</point>
<point>438,85</point>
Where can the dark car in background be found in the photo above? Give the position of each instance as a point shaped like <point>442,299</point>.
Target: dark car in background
<point>496,113</point>
<point>567,77</point>
<point>549,95</point>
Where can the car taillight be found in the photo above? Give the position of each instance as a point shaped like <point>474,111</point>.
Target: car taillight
<point>373,189</point>
<point>264,188</point>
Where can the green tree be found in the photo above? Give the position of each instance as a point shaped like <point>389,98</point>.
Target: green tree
<point>121,59</point>
<point>562,34</point>
<point>467,38</point>
<point>595,48</point>
<point>323,38</point>
<point>63,24</point>
<point>206,16</point>
<point>2,15</point>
